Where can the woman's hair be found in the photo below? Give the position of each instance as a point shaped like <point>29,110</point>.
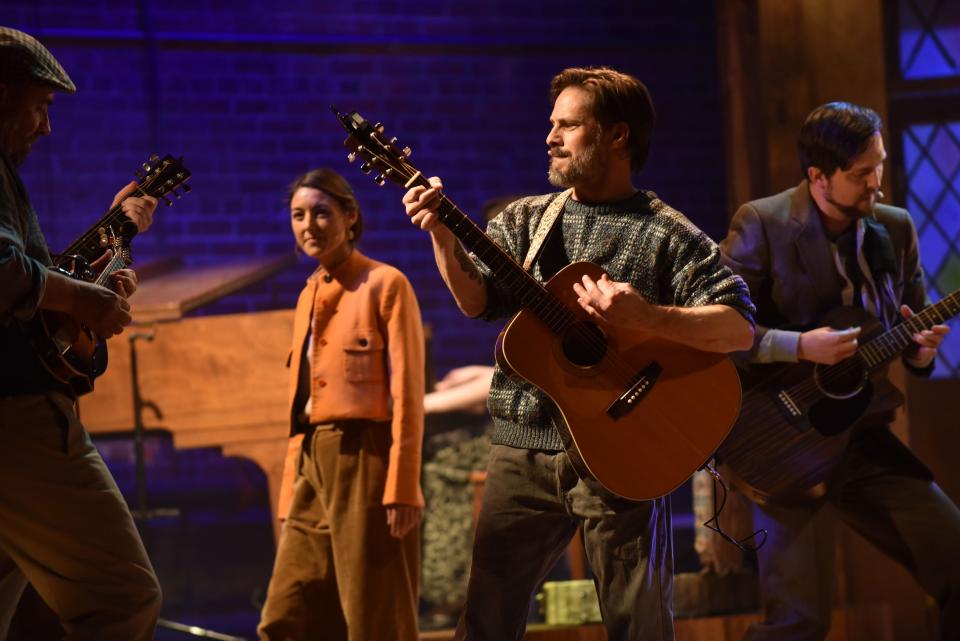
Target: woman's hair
<point>333,185</point>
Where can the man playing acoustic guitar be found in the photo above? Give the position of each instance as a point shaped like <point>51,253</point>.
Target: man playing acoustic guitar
<point>664,278</point>
<point>64,526</point>
<point>804,253</point>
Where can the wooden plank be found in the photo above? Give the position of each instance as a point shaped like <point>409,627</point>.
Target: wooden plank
<point>214,381</point>
<point>209,378</point>
<point>172,294</point>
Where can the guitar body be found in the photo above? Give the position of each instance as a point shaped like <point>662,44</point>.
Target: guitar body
<point>671,431</point>
<point>796,420</point>
<point>70,352</point>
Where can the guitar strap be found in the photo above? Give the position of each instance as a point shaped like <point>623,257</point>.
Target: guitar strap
<point>547,223</point>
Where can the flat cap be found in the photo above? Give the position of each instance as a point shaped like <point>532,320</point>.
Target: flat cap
<point>22,57</point>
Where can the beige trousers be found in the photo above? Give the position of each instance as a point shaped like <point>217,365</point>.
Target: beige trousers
<point>339,575</point>
<point>66,529</point>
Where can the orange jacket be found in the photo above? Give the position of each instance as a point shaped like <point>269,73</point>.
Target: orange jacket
<point>367,362</point>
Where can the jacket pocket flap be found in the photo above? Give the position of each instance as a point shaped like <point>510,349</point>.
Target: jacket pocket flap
<point>363,340</point>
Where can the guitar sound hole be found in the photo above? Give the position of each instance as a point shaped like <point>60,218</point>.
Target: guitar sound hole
<point>842,380</point>
<point>584,344</point>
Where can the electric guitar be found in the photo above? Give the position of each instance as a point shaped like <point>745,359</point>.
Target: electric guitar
<point>795,423</point>
<point>71,353</point>
<point>640,414</point>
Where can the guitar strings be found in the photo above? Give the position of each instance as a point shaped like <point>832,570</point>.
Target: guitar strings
<point>91,235</point>
<point>544,303</point>
<point>873,353</point>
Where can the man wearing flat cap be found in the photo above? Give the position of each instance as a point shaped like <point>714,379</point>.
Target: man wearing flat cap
<point>64,525</point>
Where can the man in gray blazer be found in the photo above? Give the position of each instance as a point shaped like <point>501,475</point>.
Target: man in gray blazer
<point>804,252</point>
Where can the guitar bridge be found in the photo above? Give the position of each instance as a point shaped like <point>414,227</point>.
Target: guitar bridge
<point>642,384</point>
<point>791,410</point>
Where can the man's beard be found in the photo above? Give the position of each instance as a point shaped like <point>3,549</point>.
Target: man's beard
<point>585,167</point>
<point>14,146</point>
<point>860,209</point>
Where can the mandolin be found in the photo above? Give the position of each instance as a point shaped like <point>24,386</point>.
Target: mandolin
<point>71,353</point>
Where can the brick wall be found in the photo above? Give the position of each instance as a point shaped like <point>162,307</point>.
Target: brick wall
<point>242,90</point>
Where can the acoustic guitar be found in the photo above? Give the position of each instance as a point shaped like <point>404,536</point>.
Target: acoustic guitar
<point>797,419</point>
<point>71,353</point>
<point>640,414</point>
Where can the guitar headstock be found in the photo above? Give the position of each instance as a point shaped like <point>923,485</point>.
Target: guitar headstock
<point>162,176</point>
<point>159,177</point>
<point>379,154</point>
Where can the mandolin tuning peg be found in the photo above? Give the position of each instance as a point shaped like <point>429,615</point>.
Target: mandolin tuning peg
<point>166,200</point>
<point>393,140</point>
<point>366,168</point>
<point>138,174</point>
<point>154,158</point>
<point>351,156</point>
<point>407,152</point>
<point>380,180</point>
<point>379,127</point>
<point>146,167</point>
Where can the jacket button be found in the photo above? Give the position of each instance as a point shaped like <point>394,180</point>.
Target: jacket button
<point>327,278</point>
<point>363,342</point>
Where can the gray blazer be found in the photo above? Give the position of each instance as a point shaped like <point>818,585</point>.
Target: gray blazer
<point>779,247</point>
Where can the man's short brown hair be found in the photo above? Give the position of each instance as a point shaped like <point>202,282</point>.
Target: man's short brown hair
<point>617,97</point>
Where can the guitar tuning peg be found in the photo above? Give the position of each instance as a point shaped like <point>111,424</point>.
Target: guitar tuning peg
<point>380,180</point>
<point>407,152</point>
<point>379,127</point>
<point>366,168</point>
<point>146,167</point>
<point>154,158</point>
<point>351,156</point>
<point>393,140</point>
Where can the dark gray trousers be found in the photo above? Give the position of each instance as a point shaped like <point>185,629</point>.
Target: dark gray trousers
<point>532,504</point>
<point>886,497</point>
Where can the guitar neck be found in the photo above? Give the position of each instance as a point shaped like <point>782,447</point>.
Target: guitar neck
<point>897,339</point>
<point>116,263</point>
<point>88,245</point>
<point>531,293</point>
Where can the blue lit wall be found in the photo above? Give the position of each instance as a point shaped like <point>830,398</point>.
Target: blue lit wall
<point>242,90</point>
<point>932,165</point>
<point>929,39</point>
<point>929,47</point>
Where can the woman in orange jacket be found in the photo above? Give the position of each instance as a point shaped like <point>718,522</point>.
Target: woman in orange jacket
<point>347,565</point>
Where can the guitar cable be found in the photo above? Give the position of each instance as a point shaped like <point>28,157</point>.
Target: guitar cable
<point>713,523</point>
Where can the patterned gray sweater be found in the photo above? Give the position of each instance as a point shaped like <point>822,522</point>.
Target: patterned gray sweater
<point>641,241</point>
